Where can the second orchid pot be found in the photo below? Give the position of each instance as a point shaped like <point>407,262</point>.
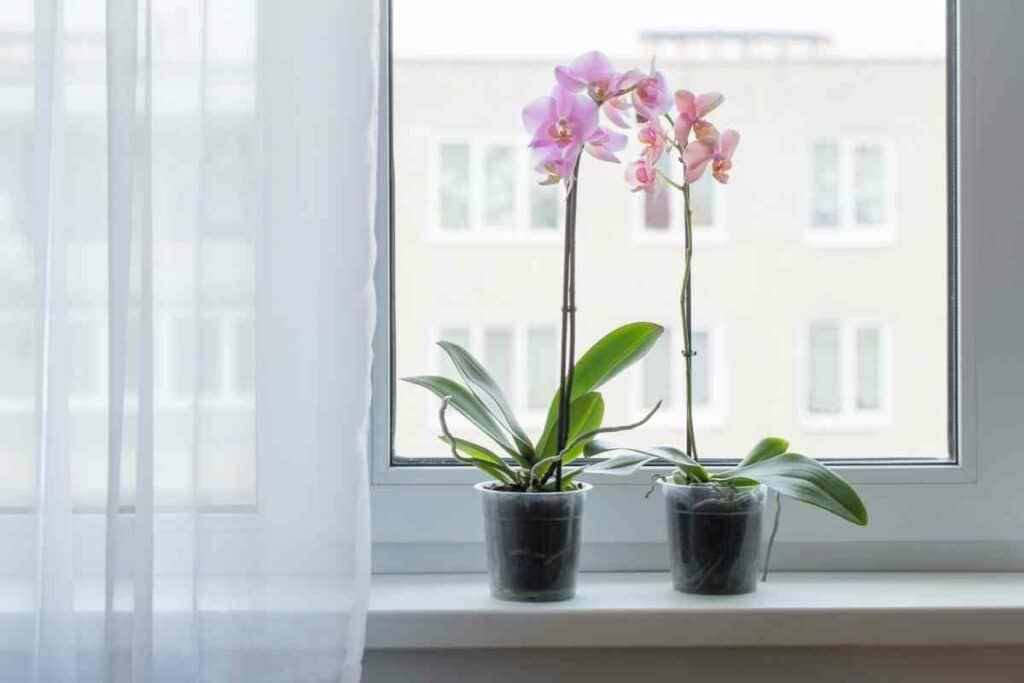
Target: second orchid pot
<point>714,537</point>
<point>533,542</point>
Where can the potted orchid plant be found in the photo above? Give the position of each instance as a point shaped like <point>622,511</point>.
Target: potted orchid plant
<point>714,517</point>
<point>533,502</point>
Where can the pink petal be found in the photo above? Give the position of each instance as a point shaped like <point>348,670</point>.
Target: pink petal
<point>626,80</point>
<point>695,171</point>
<point>613,114</point>
<point>568,79</point>
<point>601,152</point>
<point>584,116</point>
<point>707,103</point>
<point>727,144</point>
<point>685,104</point>
<point>592,67</point>
<point>538,113</point>
<point>683,126</point>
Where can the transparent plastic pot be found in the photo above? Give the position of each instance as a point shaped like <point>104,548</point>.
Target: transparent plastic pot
<point>714,537</point>
<point>533,542</point>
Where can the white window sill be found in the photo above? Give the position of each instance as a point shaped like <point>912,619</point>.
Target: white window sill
<point>424,611</point>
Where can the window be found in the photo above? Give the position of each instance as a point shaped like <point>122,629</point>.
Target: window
<point>820,164</point>
<point>661,376</point>
<point>847,374</point>
<point>852,193</point>
<point>483,194</point>
<point>523,360</point>
<point>660,216</point>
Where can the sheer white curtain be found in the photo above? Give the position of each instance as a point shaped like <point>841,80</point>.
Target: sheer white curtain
<point>186,308</point>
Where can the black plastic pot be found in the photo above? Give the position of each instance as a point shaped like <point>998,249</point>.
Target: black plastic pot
<point>533,542</point>
<point>714,537</point>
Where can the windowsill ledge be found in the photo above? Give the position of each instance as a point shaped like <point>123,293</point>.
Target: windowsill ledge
<point>424,611</point>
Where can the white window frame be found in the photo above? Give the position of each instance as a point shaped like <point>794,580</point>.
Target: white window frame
<point>521,231</point>
<point>715,234</point>
<point>849,233</point>
<point>714,413</point>
<point>849,417</point>
<point>954,516</point>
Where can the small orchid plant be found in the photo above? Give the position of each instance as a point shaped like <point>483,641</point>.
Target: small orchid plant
<point>562,126</point>
<point>677,124</point>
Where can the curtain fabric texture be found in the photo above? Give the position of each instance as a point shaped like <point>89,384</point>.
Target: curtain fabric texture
<point>186,314</point>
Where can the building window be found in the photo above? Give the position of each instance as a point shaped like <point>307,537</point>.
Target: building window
<point>523,360</point>
<point>660,216</point>
<point>661,376</point>
<point>846,366</point>
<point>852,194</point>
<point>485,191</point>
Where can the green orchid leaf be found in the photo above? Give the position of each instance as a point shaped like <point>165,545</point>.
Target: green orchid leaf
<point>668,454</point>
<point>472,409</point>
<point>806,480</point>
<point>766,448</point>
<point>585,415</point>
<point>487,391</point>
<point>627,462</point>
<point>474,451</point>
<point>609,356</point>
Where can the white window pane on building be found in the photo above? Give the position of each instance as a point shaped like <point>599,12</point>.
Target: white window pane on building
<point>455,335</point>
<point>12,178</point>
<point>545,204</point>
<point>17,358</point>
<point>701,368</point>
<point>869,369</point>
<point>499,359</point>
<point>702,202</point>
<point>454,186</point>
<point>499,187</point>
<point>869,184</point>
<point>825,208</point>
<point>657,375</point>
<point>824,390</point>
<point>541,367</point>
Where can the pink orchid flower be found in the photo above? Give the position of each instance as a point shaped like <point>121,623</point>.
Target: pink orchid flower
<point>641,175</point>
<point>691,111</point>
<point>651,98</point>
<point>603,144</point>
<point>594,73</point>
<point>564,121</point>
<point>711,147</point>
<point>555,166</point>
<point>652,137</point>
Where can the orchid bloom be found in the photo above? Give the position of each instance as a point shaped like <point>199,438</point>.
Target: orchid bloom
<point>651,98</point>
<point>711,147</point>
<point>593,72</point>
<point>641,175</point>
<point>563,120</point>
<point>652,137</point>
<point>603,144</point>
<point>554,166</point>
<point>691,112</point>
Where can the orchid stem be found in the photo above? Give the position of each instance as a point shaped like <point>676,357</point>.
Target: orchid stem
<point>685,314</point>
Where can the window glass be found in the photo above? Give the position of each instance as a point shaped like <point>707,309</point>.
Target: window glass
<point>500,190</point>
<point>84,373</point>
<point>702,202</point>
<point>869,371</point>
<point>701,367</point>
<point>17,357</point>
<point>499,359</point>
<point>541,367</point>
<point>869,184</point>
<point>825,185</point>
<point>824,390</point>
<point>657,375</point>
<point>455,187</point>
<point>455,335</point>
<point>544,207</point>
<point>658,205</point>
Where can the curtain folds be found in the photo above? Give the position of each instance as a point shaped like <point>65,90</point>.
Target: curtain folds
<point>186,315</point>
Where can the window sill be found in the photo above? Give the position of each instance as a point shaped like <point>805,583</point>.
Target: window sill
<point>436,611</point>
